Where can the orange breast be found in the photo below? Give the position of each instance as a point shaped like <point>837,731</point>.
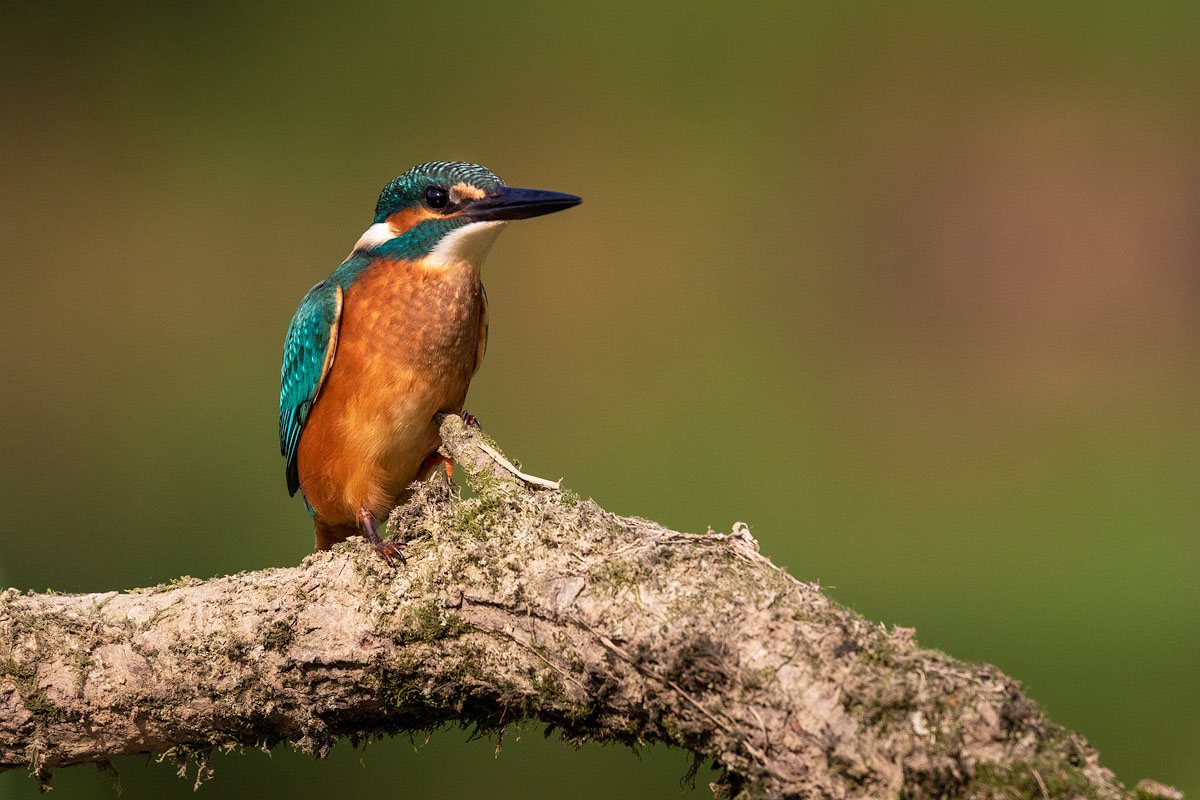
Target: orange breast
<point>406,350</point>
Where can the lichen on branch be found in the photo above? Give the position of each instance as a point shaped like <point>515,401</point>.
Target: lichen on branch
<point>525,602</point>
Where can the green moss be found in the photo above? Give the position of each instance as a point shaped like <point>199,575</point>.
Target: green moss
<point>403,695</point>
<point>579,722</point>
<point>401,686</point>
<point>620,574</point>
<point>1146,791</point>
<point>278,635</point>
<point>149,623</point>
<point>79,665</point>
<point>1018,781</point>
<point>429,622</point>
<point>754,680</point>
<point>33,696</point>
<point>184,755</point>
<point>476,517</point>
<point>547,684</point>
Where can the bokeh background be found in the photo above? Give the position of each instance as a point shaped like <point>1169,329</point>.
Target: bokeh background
<point>911,289</point>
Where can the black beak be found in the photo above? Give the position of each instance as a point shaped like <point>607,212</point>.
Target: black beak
<point>510,203</point>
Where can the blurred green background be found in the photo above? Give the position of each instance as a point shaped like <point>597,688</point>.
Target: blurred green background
<point>912,290</point>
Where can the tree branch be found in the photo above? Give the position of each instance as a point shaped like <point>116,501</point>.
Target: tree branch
<point>527,603</point>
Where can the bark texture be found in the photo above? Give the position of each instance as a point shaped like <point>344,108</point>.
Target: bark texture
<point>519,603</point>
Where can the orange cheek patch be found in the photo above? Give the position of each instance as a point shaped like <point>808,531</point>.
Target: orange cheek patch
<point>404,220</point>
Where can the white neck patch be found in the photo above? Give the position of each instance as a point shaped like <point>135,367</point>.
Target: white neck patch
<point>375,235</point>
<point>469,244</point>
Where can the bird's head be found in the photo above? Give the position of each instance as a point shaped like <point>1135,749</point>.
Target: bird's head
<point>451,211</point>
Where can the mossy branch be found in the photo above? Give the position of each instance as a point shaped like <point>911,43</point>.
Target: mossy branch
<point>526,603</point>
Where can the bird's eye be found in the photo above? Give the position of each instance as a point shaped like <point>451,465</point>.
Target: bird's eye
<point>436,197</point>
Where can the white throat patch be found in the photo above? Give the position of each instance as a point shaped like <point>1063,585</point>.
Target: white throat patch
<point>469,244</point>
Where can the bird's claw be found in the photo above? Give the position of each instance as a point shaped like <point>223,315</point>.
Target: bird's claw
<point>469,419</point>
<point>384,549</point>
<point>388,550</point>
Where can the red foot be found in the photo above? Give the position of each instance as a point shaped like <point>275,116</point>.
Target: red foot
<point>389,549</point>
<point>446,463</point>
<point>385,550</point>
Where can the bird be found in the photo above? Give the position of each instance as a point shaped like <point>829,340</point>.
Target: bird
<point>389,342</point>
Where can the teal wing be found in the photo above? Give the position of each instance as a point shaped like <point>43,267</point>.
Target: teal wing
<point>308,353</point>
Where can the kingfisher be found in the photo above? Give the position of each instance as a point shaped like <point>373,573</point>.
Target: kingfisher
<point>381,348</point>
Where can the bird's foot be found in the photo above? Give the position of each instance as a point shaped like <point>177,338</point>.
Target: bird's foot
<point>387,550</point>
<point>469,419</point>
<point>446,462</point>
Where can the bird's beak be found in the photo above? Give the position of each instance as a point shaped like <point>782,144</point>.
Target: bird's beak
<point>510,203</point>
